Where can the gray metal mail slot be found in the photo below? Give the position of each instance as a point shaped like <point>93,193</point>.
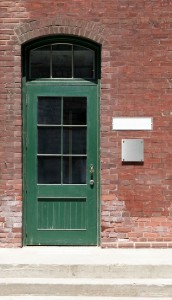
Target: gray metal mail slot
<point>132,150</point>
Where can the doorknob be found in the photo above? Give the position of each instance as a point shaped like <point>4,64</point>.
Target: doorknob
<point>91,175</point>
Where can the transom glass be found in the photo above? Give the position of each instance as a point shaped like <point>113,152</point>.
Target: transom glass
<point>62,61</point>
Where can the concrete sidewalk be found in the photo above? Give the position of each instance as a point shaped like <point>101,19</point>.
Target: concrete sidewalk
<point>76,298</point>
<point>84,255</point>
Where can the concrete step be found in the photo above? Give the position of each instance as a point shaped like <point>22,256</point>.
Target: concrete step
<point>85,271</point>
<point>77,298</point>
<point>69,273</point>
<point>86,287</point>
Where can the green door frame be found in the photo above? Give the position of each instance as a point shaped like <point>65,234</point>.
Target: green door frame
<point>25,83</point>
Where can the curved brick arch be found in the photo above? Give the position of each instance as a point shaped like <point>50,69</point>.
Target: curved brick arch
<point>62,25</point>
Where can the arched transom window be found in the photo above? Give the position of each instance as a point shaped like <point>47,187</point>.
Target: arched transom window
<point>62,60</point>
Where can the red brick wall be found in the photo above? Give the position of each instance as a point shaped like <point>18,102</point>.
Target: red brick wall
<point>136,81</point>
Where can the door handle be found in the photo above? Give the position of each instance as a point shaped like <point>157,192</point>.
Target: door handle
<point>91,175</point>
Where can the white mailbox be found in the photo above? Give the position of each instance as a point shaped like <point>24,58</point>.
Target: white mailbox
<point>132,150</point>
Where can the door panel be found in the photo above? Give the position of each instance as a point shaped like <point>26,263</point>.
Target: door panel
<point>61,147</point>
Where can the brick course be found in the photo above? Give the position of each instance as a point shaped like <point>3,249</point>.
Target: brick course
<point>136,206</point>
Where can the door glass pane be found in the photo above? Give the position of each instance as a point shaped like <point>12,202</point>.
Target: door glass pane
<point>74,140</point>
<point>83,62</point>
<point>62,61</point>
<point>74,170</point>
<point>62,135</point>
<point>74,111</point>
<point>49,170</point>
<point>40,62</point>
<point>49,110</point>
<point>49,140</point>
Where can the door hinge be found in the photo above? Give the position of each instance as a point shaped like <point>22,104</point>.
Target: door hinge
<point>26,143</point>
<point>26,230</point>
<point>26,100</point>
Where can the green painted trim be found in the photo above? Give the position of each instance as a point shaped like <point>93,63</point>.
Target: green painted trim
<point>98,168</point>
<point>24,165</point>
<point>26,47</point>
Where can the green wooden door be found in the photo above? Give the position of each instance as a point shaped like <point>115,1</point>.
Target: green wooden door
<point>61,164</point>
